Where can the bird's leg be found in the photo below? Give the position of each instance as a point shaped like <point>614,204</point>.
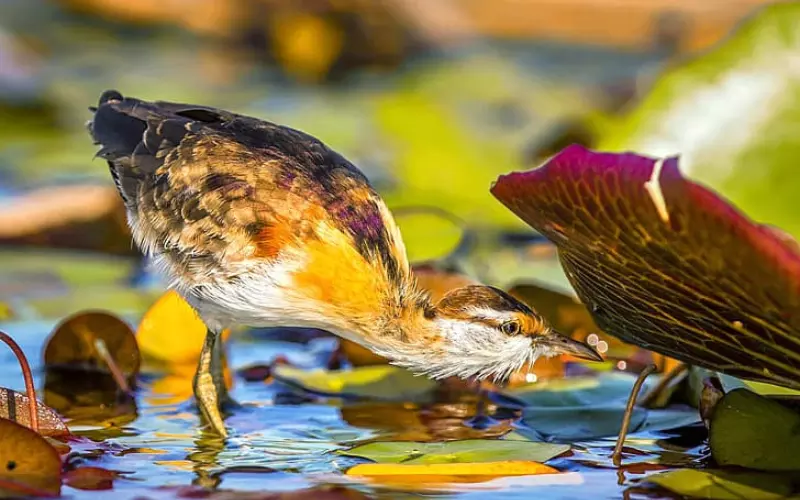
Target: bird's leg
<point>482,420</point>
<point>210,391</point>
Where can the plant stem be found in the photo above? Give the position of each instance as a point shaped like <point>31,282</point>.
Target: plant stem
<point>626,419</point>
<point>116,373</point>
<point>650,396</point>
<point>26,374</point>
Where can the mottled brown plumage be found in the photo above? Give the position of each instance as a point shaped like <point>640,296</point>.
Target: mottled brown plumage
<point>261,224</point>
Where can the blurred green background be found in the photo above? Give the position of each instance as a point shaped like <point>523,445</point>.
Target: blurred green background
<point>432,100</point>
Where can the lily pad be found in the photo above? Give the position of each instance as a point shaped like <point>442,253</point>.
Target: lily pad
<point>575,423</point>
<point>466,451</point>
<point>612,388</point>
<point>172,332</point>
<point>89,341</point>
<point>752,431</point>
<point>724,485</point>
<point>666,264</point>
<point>380,382</point>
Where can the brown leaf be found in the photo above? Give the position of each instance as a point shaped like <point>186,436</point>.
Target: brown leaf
<point>666,264</point>
<point>78,343</point>
<point>28,463</point>
<point>14,407</point>
<point>90,478</point>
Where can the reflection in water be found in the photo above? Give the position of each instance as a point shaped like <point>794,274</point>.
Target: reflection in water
<point>89,399</point>
<point>411,422</point>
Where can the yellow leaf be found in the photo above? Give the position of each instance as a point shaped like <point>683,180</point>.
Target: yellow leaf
<point>30,463</point>
<point>450,473</point>
<point>172,332</point>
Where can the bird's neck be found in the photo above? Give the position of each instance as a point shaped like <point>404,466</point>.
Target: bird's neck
<point>402,320</point>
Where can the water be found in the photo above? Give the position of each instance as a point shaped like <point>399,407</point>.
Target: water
<point>488,102</point>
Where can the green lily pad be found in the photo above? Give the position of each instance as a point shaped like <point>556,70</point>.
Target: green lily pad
<point>733,116</point>
<point>576,423</point>
<point>752,431</point>
<point>383,382</point>
<point>723,485</point>
<point>466,451</point>
<point>609,388</point>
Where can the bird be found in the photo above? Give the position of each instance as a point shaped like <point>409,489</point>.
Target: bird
<point>258,224</point>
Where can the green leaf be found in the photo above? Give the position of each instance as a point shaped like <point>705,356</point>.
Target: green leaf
<point>733,114</point>
<point>752,431</point>
<point>611,388</point>
<point>576,423</point>
<point>723,485</point>
<point>576,408</point>
<point>383,382</point>
<point>466,451</point>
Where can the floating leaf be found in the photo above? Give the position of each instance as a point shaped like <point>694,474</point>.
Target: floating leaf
<point>90,478</point>
<point>752,431</point>
<point>670,267</point>
<point>14,407</point>
<point>452,472</point>
<point>86,340</point>
<point>724,485</point>
<point>612,388</point>
<point>578,423</point>
<point>28,464</point>
<point>171,331</point>
<point>384,382</point>
<point>467,451</point>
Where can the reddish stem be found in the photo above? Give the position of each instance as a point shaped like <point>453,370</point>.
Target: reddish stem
<point>26,374</point>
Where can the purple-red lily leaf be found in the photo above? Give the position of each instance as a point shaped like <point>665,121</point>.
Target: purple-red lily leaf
<point>665,263</point>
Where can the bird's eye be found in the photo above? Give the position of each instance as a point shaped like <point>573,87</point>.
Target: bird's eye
<point>510,327</point>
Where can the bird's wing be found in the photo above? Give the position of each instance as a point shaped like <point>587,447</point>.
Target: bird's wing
<point>206,186</point>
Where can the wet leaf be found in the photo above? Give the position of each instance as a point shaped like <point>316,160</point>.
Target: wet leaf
<point>90,478</point>
<point>578,423</point>
<point>610,388</point>
<point>449,452</point>
<point>724,485</point>
<point>752,431</point>
<point>27,460</point>
<point>452,472</point>
<point>14,407</point>
<point>172,332</point>
<point>383,382</point>
<point>79,342</point>
<point>576,408</point>
<point>688,276</point>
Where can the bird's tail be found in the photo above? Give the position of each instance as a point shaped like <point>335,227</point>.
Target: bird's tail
<point>135,135</point>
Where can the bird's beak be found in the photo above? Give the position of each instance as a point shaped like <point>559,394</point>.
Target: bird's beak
<point>561,344</point>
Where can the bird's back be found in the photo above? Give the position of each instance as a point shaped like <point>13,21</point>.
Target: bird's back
<point>213,195</point>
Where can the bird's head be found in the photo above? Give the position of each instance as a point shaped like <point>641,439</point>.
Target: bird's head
<point>480,332</point>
